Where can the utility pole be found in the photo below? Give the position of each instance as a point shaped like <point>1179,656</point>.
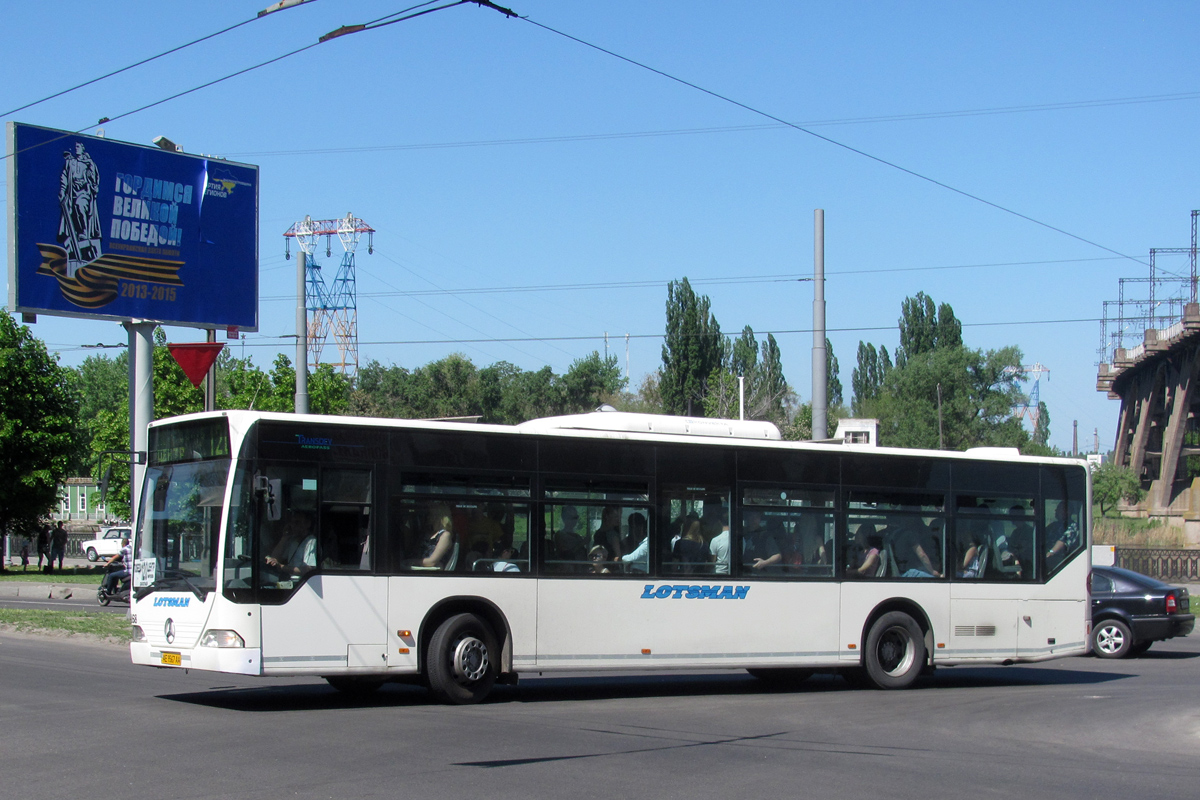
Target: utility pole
<point>820,425</point>
<point>301,334</point>
<point>1075,438</point>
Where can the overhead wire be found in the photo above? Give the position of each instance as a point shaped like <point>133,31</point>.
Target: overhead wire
<point>740,280</point>
<point>834,142</point>
<point>131,66</point>
<point>588,137</point>
<point>327,37</point>
<point>598,337</point>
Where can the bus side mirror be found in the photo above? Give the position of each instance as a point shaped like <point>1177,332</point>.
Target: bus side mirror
<point>104,481</point>
<point>272,490</point>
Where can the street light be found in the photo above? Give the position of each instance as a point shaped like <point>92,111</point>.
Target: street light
<point>167,144</point>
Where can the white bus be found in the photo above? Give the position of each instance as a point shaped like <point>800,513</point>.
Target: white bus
<point>364,551</point>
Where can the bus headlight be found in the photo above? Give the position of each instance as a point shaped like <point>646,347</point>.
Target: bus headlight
<point>139,635</point>
<point>219,638</point>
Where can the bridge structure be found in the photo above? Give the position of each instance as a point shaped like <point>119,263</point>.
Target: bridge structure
<point>1158,431</point>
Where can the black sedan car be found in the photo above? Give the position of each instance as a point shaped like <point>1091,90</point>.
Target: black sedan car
<point>1131,611</point>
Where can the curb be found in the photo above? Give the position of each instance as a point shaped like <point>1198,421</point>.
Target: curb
<point>42,591</point>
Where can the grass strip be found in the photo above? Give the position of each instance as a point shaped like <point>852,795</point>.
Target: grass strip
<point>92,578</point>
<point>93,623</point>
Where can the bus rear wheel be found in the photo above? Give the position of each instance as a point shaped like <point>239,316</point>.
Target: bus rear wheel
<point>462,660</point>
<point>895,652</point>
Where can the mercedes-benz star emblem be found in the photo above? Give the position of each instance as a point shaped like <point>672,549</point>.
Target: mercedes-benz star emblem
<point>169,630</point>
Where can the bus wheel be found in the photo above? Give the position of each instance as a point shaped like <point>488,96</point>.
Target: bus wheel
<point>781,677</point>
<point>895,651</point>
<point>462,660</point>
<point>353,687</point>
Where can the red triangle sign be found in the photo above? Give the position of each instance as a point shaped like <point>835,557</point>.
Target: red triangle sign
<point>195,358</point>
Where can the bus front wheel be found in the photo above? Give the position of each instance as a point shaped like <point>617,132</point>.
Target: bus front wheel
<point>462,660</point>
<point>895,653</point>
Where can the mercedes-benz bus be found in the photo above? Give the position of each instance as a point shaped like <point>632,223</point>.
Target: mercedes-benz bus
<point>365,551</point>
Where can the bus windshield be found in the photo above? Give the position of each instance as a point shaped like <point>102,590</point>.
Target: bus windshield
<point>180,516</point>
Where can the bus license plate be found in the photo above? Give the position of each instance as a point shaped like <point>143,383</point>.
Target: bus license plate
<point>172,659</point>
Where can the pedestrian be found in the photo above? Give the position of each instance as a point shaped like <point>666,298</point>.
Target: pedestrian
<point>25,554</point>
<point>58,545</point>
<point>43,543</point>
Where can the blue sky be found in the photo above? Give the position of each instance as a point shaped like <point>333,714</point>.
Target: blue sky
<point>489,152</point>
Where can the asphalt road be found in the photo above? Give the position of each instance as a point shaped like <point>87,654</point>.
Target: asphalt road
<point>79,720</point>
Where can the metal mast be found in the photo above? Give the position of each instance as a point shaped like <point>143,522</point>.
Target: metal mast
<point>332,307</point>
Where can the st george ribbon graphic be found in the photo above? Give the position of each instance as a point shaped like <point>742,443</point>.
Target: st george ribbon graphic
<point>94,284</point>
<point>119,231</point>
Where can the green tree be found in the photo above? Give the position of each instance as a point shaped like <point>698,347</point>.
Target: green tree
<point>646,400</point>
<point>923,329</point>
<point>867,379</point>
<point>771,392</point>
<point>693,348</point>
<point>974,390</point>
<point>38,409</point>
<point>589,382</point>
<point>1112,483</point>
<point>743,357</point>
<point>833,382</point>
<point>1041,431</point>
<point>101,384</point>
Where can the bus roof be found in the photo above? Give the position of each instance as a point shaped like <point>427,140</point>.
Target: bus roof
<point>622,424</point>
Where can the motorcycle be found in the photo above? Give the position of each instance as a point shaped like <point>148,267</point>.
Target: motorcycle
<point>120,593</point>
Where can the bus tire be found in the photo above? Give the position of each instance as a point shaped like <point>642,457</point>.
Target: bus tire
<point>462,660</point>
<point>352,686</point>
<point>781,677</point>
<point>895,653</point>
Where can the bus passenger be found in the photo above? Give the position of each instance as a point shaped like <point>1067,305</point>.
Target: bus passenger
<point>296,552</point>
<point>1014,546</point>
<point>440,542</point>
<point>569,545</point>
<point>689,553</point>
<point>864,552</point>
<point>599,558</point>
<point>1062,532</point>
<point>972,552</point>
<point>911,547</point>
<point>503,563</point>
<point>718,544</point>
<point>608,535</point>
<point>759,548</point>
<point>639,558</point>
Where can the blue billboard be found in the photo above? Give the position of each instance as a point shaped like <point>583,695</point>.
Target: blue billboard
<point>111,230</point>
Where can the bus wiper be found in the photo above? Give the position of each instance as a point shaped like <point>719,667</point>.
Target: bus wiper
<point>172,576</point>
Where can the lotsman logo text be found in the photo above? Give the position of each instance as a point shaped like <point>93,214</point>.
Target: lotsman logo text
<point>172,602</point>
<point>680,590</point>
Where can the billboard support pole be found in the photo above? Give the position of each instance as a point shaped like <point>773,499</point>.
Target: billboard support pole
<point>301,333</point>
<point>210,381</point>
<point>141,403</point>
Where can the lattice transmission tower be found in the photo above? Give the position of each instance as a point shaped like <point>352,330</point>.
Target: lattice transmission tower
<point>332,307</point>
<point>1030,408</point>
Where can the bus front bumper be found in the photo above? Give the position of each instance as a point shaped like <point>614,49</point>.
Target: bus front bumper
<point>240,660</point>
